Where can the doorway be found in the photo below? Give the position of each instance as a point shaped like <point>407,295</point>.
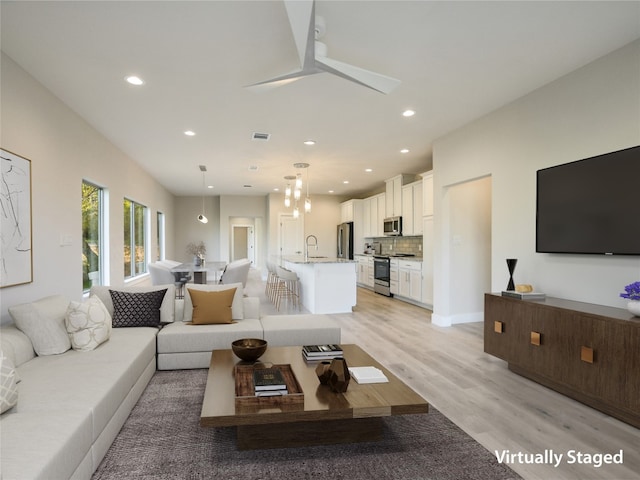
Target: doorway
<point>243,243</point>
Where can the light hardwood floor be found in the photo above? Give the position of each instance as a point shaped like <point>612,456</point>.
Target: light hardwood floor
<point>499,409</point>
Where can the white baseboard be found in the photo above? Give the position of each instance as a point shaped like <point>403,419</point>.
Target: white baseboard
<point>448,320</point>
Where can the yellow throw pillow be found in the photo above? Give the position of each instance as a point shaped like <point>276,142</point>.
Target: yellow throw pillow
<point>212,307</point>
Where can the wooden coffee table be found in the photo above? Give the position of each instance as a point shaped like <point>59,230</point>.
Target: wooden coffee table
<point>325,417</point>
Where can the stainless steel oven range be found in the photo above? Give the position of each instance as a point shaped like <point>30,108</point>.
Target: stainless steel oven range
<point>382,275</point>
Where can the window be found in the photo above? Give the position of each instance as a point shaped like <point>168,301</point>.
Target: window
<point>135,239</point>
<point>92,235</point>
<point>160,252</point>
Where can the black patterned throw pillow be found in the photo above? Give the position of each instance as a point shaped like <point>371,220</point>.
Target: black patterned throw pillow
<point>136,309</point>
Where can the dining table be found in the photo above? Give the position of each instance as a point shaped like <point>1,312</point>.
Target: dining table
<point>200,271</point>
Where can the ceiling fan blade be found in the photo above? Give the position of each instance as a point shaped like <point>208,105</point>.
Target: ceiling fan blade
<point>302,20</point>
<point>278,81</point>
<point>373,80</point>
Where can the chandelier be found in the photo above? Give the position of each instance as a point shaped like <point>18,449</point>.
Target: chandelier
<point>297,190</point>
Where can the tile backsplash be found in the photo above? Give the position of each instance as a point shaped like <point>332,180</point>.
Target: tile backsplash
<point>392,245</point>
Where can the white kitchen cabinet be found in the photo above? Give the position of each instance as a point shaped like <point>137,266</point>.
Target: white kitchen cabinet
<point>351,211</point>
<point>393,197</point>
<point>365,270</point>
<point>412,208</point>
<point>347,211</point>
<point>373,214</point>
<point>410,280</point>
<point>381,200</point>
<point>367,227</point>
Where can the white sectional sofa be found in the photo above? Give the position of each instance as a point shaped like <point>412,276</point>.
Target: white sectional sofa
<point>71,405</point>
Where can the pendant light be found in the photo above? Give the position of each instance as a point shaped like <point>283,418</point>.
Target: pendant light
<point>307,200</point>
<point>201,217</point>
<point>287,191</point>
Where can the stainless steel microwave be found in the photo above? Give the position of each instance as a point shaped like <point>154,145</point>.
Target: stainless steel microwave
<point>393,226</point>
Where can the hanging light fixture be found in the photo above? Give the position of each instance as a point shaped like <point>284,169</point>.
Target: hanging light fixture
<point>201,217</point>
<point>287,190</point>
<point>307,200</point>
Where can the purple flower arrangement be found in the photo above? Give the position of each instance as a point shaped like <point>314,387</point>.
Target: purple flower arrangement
<point>632,292</point>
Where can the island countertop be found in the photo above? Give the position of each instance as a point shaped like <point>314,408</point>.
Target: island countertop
<point>301,259</point>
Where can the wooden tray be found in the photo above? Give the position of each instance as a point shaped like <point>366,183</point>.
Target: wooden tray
<point>248,402</point>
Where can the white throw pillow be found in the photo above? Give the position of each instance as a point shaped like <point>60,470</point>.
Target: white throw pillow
<point>88,324</point>
<point>237,309</point>
<point>43,322</point>
<point>8,384</point>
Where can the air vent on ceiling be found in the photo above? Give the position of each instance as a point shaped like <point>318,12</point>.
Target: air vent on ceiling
<point>261,136</point>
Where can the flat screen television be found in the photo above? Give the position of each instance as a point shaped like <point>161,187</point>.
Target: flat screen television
<point>590,206</point>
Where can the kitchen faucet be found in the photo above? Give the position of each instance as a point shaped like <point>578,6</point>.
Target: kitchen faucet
<point>306,244</point>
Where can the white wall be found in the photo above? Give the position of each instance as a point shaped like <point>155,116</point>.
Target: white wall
<point>468,207</point>
<point>322,222</point>
<point>64,150</point>
<point>591,111</point>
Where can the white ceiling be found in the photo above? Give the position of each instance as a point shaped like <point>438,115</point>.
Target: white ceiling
<point>457,61</point>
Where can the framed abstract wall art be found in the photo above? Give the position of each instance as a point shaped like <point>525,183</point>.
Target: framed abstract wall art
<point>16,261</point>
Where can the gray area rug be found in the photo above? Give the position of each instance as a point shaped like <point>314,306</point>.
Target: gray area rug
<point>162,439</point>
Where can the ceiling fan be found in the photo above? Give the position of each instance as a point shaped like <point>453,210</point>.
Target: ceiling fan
<point>307,29</point>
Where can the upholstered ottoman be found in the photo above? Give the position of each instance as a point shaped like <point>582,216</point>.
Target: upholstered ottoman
<point>305,329</point>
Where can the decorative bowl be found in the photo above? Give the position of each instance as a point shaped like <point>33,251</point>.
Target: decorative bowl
<point>249,349</point>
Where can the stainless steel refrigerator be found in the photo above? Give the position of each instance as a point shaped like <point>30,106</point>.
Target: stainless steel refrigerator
<point>345,240</point>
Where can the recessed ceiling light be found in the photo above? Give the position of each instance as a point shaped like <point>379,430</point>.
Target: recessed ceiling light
<point>276,189</point>
<point>309,142</point>
<point>331,191</point>
<point>404,150</point>
<point>189,133</point>
<point>209,186</point>
<point>368,170</point>
<point>345,182</point>
<point>133,80</point>
<point>408,113</point>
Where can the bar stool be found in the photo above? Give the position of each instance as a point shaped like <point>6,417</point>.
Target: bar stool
<point>287,287</point>
<point>272,282</point>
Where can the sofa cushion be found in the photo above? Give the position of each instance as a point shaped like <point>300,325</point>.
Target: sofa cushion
<point>136,309</point>
<point>88,324</point>
<point>302,329</point>
<point>180,337</point>
<point>211,307</point>
<point>237,310</point>
<point>167,310</point>
<point>43,322</point>
<point>16,345</point>
<point>8,384</point>
<point>40,445</point>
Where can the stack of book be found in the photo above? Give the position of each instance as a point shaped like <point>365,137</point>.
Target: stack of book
<point>523,295</point>
<point>269,382</point>
<point>316,353</point>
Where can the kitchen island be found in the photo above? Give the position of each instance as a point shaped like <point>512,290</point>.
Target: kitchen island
<point>327,285</point>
